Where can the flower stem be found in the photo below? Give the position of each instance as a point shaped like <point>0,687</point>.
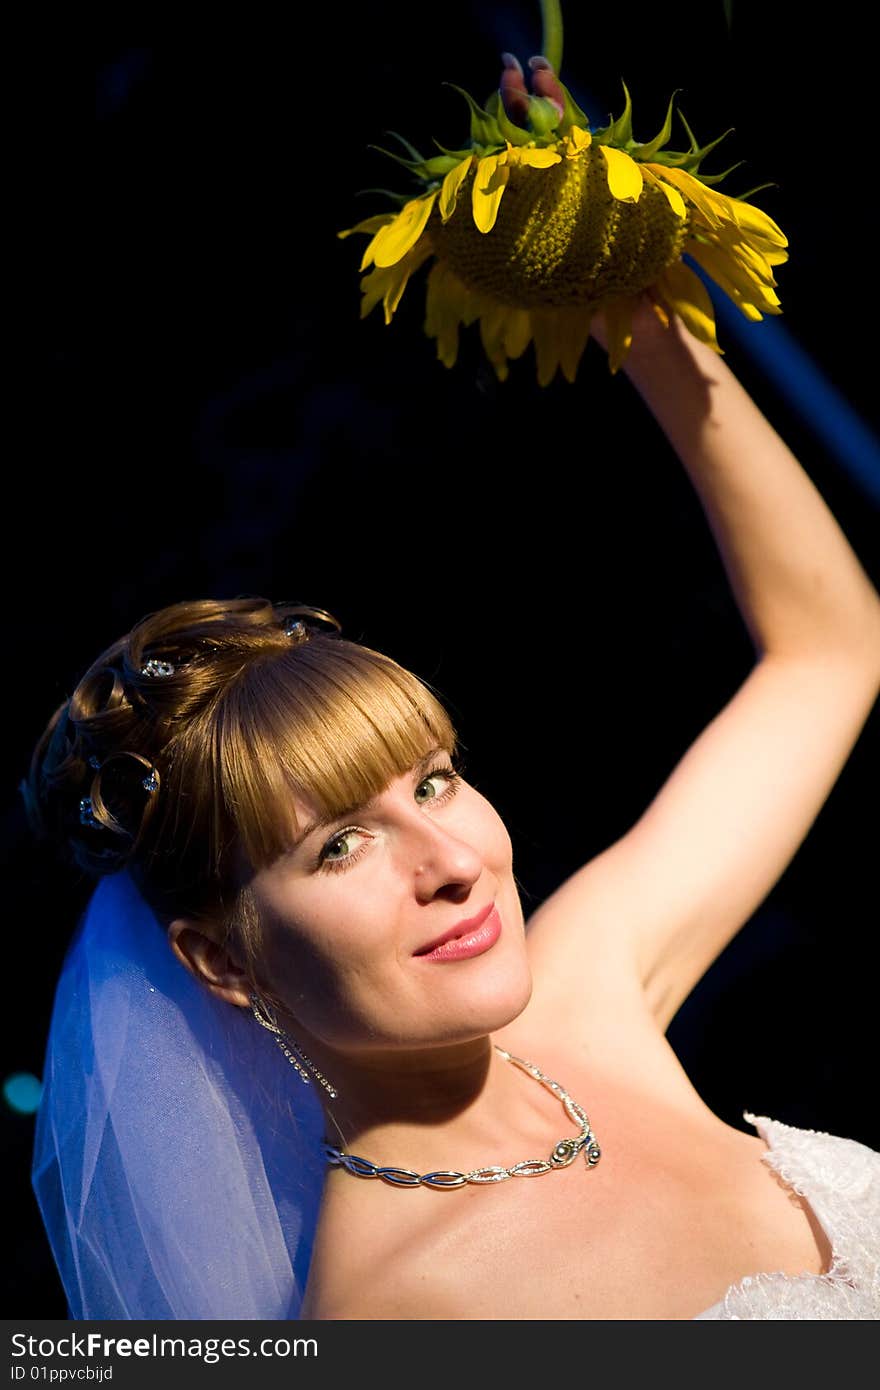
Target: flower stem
<point>551,39</point>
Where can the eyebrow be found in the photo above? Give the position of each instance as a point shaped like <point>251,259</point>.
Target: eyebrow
<point>323,822</point>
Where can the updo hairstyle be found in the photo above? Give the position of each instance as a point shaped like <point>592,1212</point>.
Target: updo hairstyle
<point>178,752</point>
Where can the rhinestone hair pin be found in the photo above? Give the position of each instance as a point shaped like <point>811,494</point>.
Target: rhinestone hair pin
<point>299,625</point>
<point>291,626</point>
<point>150,781</point>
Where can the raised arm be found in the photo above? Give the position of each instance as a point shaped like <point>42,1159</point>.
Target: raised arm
<point>798,584</point>
<point>670,894</point>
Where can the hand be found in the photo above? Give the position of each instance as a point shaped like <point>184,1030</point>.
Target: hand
<point>649,333</point>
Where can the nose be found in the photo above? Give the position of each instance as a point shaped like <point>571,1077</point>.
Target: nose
<point>443,857</point>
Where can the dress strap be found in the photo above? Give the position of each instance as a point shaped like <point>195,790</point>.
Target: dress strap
<point>840,1178</point>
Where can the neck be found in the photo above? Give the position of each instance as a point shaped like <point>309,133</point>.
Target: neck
<point>456,1106</point>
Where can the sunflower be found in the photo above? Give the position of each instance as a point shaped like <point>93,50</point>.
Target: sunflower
<point>541,223</point>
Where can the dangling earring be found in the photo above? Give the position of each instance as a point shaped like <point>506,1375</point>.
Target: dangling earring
<point>297,1058</point>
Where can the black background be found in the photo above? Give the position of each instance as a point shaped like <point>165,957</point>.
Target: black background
<point>204,415</point>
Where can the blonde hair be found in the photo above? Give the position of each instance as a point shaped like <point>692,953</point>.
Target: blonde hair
<point>184,778</point>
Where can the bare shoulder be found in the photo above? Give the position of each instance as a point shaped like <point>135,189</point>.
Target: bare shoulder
<point>401,1279</point>
<point>391,1296</point>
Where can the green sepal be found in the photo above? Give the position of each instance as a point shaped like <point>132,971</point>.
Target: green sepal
<point>543,117</point>
<point>697,153</point>
<point>619,132</point>
<point>439,165</point>
<point>716,178</point>
<point>690,133</point>
<point>484,130</point>
<point>459,155</point>
<point>400,198</point>
<point>413,165</point>
<point>425,169</point>
<point>645,152</point>
<point>411,149</point>
<point>513,133</point>
<point>572,114</point>
<point>676,159</point>
<point>759,188</point>
<point>691,159</point>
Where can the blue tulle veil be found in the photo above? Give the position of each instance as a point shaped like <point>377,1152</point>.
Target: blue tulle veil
<point>177,1159</point>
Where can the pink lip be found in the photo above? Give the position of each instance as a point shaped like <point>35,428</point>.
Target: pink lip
<point>470,938</point>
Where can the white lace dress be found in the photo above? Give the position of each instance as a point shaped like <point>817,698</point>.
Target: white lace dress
<point>840,1179</point>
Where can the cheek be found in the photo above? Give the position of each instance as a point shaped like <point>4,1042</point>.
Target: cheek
<point>498,847</point>
<point>339,993</point>
<point>300,968</point>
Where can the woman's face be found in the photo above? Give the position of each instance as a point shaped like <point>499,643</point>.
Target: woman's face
<point>351,914</point>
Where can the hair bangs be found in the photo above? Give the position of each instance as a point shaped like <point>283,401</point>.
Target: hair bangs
<point>331,723</point>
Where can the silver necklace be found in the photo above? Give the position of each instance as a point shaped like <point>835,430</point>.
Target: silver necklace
<point>564,1153</point>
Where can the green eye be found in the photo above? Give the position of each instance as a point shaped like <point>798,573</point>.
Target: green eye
<point>449,775</point>
<point>452,778</point>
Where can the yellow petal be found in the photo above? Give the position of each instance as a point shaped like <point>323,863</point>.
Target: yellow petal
<point>687,296</point>
<point>724,210</point>
<point>674,198</point>
<point>374,286</point>
<point>724,269</point>
<point>624,175</point>
<point>709,203</point>
<point>492,326</point>
<point>544,332</point>
<point>732,237</point>
<point>391,243</point>
<point>661,313</point>
<point>618,331</point>
<point>753,220</point>
<point>369,224</point>
<point>753,263</point>
<point>449,304</point>
<point>450,188</point>
<point>389,282</point>
<point>400,274</point>
<point>370,250</point>
<point>730,278</point>
<point>517,332</point>
<point>505,333</point>
<point>441,318</point>
<point>560,338</point>
<point>573,330</point>
<point>771,255</point>
<point>536,159</point>
<point>578,141</point>
<point>500,178</point>
<point>733,277</point>
<point>485,205</point>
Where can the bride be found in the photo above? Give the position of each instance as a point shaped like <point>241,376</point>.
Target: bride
<point>507,1133</point>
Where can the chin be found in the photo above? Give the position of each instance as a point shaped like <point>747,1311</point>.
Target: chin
<point>495,1001</point>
